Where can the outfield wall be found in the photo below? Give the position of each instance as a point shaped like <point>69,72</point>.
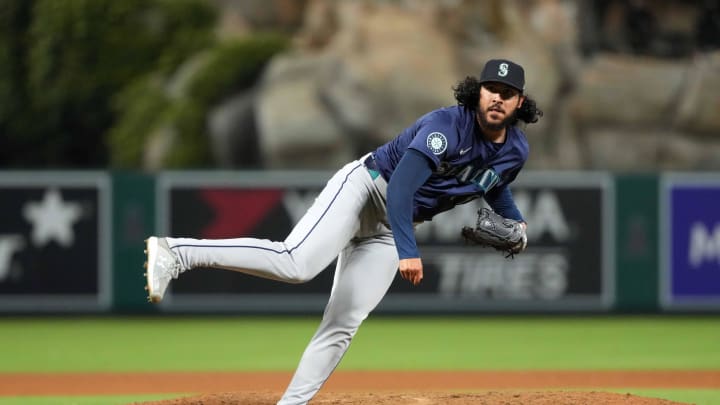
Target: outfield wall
<point>598,242</point>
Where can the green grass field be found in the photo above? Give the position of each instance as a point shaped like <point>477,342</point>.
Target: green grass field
<point>383,343</point>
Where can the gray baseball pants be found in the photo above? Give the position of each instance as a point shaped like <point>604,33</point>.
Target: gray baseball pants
<point>348,222</point>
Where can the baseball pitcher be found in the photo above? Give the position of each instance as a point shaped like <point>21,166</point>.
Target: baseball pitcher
<point>366,214</point>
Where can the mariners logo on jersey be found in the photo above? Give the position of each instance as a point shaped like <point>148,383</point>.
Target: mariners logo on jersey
<point>437,143</point>
<point>485,178</point>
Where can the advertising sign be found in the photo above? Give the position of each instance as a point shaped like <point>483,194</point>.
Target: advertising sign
<point>567,266</point>
<point>691,233</point>
<point>231,205</point>
<point>54,241</point>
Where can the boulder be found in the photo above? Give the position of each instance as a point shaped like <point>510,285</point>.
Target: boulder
<point>233,133</point>
<point>629,91</point>
<point>699,107</point>
<point>393,66</point>
<point>297,130</point>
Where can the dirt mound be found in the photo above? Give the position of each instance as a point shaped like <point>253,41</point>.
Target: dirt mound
<point>426,398</point>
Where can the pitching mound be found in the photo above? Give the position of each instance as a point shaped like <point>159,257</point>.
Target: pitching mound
<point>426,398</point>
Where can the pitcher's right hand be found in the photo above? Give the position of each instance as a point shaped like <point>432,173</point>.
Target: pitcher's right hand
<point>411,270</point>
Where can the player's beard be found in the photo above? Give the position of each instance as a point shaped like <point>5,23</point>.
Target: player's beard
<point>483,117</point>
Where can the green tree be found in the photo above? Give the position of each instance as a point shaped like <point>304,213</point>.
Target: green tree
<point>16,124</point>
<point>147,109</point>
<point>68,60</point>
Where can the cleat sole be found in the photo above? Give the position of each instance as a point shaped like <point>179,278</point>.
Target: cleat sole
<point>151,297</point>
<point>147,276</point>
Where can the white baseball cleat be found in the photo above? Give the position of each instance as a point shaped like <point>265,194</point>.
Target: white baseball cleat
<point>161,267</point>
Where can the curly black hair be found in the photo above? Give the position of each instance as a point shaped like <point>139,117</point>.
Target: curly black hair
<point>467,94</point>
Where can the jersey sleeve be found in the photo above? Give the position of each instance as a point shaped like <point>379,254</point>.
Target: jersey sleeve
<point>502,202</point>
<point>435,137</point>
<point>412,171</point>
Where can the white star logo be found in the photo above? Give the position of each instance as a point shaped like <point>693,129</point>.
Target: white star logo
<point>52,218</point>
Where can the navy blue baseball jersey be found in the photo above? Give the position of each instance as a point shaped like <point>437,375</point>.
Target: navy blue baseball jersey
<point>465,165</point>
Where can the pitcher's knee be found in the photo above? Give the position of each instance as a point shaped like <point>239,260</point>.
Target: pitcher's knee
<point>346,322</point>
<point>299,269</point>
<point>299,274</point>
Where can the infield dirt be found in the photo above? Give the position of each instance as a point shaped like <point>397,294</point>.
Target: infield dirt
<point>371,387</point>
<point>426,398</point>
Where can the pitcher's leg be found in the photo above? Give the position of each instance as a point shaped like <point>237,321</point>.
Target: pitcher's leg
<point>364,274</point>
<point>312,245</point>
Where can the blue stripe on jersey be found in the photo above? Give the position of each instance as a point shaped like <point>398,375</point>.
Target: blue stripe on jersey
<point>299,243</point>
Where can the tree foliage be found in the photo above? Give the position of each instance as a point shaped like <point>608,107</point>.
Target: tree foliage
<point>176,106</point>
<point>63,61</point>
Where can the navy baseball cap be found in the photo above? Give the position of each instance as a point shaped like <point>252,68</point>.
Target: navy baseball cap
<point>504,71</point>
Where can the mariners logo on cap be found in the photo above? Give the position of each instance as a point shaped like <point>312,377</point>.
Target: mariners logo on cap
<point>437,142</point>
<point>503,70</point>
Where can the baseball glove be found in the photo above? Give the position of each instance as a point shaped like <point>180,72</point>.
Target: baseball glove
<point>491,229</point>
